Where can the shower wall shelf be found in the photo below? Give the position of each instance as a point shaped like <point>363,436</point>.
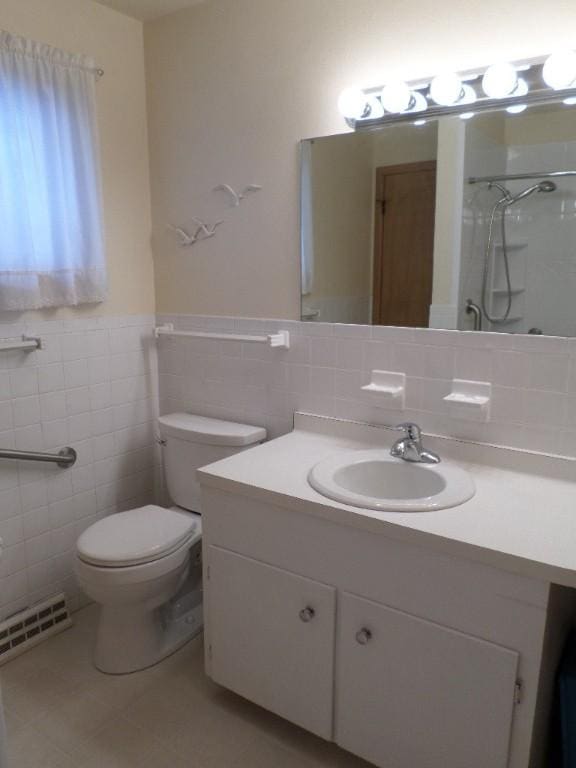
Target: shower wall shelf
<point>511,246</point>
<point>279,340</point>
<point>25,343</point>
<point>504,291</point>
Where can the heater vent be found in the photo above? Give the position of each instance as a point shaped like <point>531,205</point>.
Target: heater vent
<point>29,627</point>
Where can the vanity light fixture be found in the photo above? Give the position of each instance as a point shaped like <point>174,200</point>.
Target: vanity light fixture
<point>513,86</point>
<point>559,70</point>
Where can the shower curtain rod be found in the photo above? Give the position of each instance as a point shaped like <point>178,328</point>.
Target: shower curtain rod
<point>518,176</point>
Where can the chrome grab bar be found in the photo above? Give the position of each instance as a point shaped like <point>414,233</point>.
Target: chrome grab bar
<point>64,458</point>
<point>474,309</point>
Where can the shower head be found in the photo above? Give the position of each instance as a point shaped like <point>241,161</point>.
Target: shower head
<point>542,186</point>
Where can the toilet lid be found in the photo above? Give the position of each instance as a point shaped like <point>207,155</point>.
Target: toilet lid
<point>137,536</point>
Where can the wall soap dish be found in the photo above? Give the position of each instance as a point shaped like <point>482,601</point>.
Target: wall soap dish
<point>388,384</point>
<point>470,399</point>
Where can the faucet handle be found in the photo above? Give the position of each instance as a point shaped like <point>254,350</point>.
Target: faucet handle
<point>413,431</point>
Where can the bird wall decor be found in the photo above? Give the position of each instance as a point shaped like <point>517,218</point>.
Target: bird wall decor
<point>237,197</point>
<point>203,231</point>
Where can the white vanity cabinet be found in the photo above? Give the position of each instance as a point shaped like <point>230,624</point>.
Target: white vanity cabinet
<point>418,693</point>
<point>401,654</point>
<point>273,638</point>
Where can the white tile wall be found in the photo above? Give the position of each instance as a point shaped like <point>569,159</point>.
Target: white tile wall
<point>93,386</point>
<point>534,378</point>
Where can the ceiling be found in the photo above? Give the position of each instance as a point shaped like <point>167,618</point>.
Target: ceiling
<point>146,10</point>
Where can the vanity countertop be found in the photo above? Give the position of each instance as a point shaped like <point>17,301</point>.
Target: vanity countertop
<point>521,519</point>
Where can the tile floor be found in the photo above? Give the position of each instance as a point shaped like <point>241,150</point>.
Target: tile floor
<point>62,713</point>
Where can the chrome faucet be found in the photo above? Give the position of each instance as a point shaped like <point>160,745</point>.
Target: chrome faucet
<point>410,446</point>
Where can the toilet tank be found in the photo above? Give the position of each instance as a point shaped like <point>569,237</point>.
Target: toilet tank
<point>191,442</point>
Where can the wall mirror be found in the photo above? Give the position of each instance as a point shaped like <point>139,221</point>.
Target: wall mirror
<point>444,223</point>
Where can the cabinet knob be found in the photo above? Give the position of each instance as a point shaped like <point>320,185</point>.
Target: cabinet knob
<point>307,614</point>
<point>364,636</point>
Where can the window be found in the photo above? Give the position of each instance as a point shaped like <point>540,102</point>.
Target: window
<point>51,241</point>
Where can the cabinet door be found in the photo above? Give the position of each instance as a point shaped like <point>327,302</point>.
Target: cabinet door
<point>412,693</point>
<point>272,638</point>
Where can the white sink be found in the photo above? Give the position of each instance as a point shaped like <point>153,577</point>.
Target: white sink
<point>375,480</point>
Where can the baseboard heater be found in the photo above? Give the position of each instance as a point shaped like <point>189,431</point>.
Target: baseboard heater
<point>31,626</point>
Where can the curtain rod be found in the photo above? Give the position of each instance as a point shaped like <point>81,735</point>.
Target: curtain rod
<point>519,176</point>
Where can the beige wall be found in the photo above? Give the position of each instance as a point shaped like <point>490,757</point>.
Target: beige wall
<point>342,191</point>
<point>233,86</point>
<point>115,41</point>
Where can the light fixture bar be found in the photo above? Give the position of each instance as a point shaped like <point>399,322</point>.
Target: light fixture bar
<point>534,91</point>
<point>546,96</point>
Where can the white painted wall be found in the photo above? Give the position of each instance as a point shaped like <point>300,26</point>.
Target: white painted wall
<point>235,84</point>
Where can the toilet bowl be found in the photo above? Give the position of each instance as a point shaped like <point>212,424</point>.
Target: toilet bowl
<point>143,566</point>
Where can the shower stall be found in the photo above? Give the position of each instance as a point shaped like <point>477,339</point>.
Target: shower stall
<point>520,269</point>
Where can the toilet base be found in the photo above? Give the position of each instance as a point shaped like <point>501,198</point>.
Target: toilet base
<point>129,641</point>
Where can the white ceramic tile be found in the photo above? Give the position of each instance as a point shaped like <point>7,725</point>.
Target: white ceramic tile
<point>26,410</point>
<point>9,503</point>
<point>55,433</point>
<point>51,377</point>
<point>24,381</point>
<point>6,416</point>
<point>29,439</point>
<point>11,530</point>
<point>5,388</point>
<point>76,373</point>
<point>52,406</point>
<point>99,369</point>
<point>77,401</point>
<point>35,522</point>
<point>33,495</point>
<point>549,372</point>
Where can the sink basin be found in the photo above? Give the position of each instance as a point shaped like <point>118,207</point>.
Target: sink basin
<point>375,480</point>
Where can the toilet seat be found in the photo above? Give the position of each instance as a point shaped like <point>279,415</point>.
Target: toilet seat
<point>137,537</point>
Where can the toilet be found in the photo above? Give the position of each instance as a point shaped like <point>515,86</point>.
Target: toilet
<point>143,566</point>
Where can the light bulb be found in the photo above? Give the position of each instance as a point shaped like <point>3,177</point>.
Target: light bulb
<point>352,103</point>
<point>396,97</point>
<point>570,101</point>
<point>559,70</point>
<point>446,89</point>
<point>419,123</point>
<point>500,80</point>
<point>467,115</point>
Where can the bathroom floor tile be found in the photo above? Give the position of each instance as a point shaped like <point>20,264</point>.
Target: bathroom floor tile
<point>61,712</point>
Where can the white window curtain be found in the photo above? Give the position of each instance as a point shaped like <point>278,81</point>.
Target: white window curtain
<point>51,241</point>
